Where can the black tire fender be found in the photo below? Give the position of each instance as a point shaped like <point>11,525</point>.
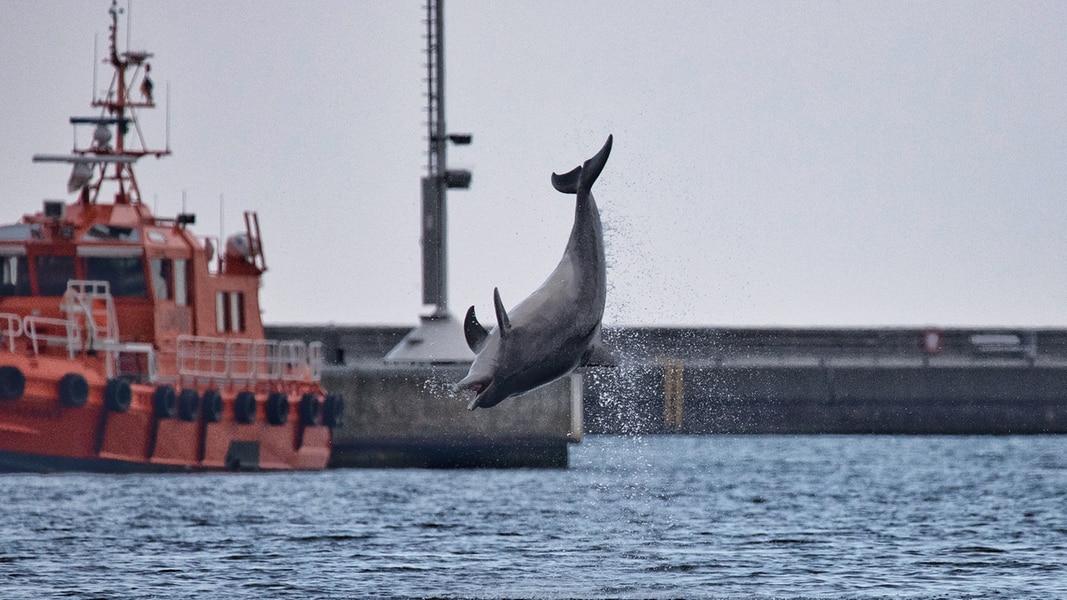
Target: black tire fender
<point>165,402</point>
<point>73,390</point>
<point>211,406</point>
<point>244,407</point>
<point>333,410</point>
<point>309,410</point>
<point>188,405</point>
<point>277,408</point>
<point>117,395</point>
<point>12,383</point>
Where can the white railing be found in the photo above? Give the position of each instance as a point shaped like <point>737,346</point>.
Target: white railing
<point>92,324</point>
<point>292,360</point>
<point>71,336</point>
<point>12,330</point>
<point>316,358</point>
<point>90,310</point>
<point>244,360</point>
<point>123,354</point>
<point>200,357</point>
<point>83,299</point>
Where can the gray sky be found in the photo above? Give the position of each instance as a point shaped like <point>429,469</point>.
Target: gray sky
<point>775,163</point>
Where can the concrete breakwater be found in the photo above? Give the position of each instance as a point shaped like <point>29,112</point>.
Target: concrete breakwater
<point>902,380</point>
<point>406,415</point>
<point>769,380</point>
<point>409,417</point>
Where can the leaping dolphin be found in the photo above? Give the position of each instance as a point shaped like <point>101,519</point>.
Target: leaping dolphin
<point>557,328</point>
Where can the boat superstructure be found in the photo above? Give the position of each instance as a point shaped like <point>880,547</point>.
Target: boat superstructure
<point>128,342</point>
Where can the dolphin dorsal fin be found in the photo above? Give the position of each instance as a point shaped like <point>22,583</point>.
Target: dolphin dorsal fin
<point>502,320</point>
<point>598,355</point>
<point>473,331</point>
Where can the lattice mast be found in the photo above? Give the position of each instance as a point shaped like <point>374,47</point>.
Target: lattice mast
<point>119,108</point>
<point>438,177</point>
<point>117,141</point>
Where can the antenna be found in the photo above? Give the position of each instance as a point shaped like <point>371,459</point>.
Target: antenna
<point>96,59</point>
<point>168,117</point>
<point>129,23</point>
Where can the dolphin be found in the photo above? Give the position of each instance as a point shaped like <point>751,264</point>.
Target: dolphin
<point>557,328</point>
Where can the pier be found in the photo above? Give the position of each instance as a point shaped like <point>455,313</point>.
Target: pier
<point>406,415</point>
<point>700,381</point>
<point>850,381</point>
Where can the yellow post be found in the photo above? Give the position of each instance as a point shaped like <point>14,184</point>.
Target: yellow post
<point>673,395</point>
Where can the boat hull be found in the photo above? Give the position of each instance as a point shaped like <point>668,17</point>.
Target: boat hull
<point>41,432</point>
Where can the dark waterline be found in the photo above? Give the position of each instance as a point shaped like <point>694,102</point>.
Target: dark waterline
<point>671,516</point>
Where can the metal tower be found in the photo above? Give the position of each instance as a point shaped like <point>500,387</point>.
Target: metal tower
<point>439,337</point>
<point>439,179</point>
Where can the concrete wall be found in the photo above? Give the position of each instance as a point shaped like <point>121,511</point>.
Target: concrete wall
<point>975,381</point>
<point>782,380</point>
<point>821,399</point>
<point>409,417</point>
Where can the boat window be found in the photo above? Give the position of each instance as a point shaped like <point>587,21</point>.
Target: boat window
<point>17,232</point>
<point>170,280</point>
<point>99,232</point>
<point>237,313</point>
<point>14,276</point>
<point>222,325</point>
<point>161,273</point>
<point>181,282</point>
<point>124,273</point>
<point>53,273</point>
<point>229,312</point>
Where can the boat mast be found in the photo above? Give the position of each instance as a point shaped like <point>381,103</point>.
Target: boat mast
<point>119,109</point>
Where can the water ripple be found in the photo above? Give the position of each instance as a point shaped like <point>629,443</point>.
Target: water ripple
<point>634,517</point>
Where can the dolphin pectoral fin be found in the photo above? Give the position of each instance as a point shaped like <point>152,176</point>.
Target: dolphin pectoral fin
<point>473,331</point>
<point>487,398</point>
<point>502,320</point>
<point>567,183</point>
<point>599,356</point>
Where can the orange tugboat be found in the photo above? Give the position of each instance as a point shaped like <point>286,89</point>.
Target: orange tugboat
<point>126,344</point>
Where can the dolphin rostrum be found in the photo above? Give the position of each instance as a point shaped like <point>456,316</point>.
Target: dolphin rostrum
<point>557,328</point>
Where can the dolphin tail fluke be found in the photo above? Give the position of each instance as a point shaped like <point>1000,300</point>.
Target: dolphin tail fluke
<point>502,320</point>
<point>568,182</point>
<point>592,167</point>
<point>584,176</point>
<point>474,331</point>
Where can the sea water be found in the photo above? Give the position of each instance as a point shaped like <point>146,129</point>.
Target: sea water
<point>633,517</point>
